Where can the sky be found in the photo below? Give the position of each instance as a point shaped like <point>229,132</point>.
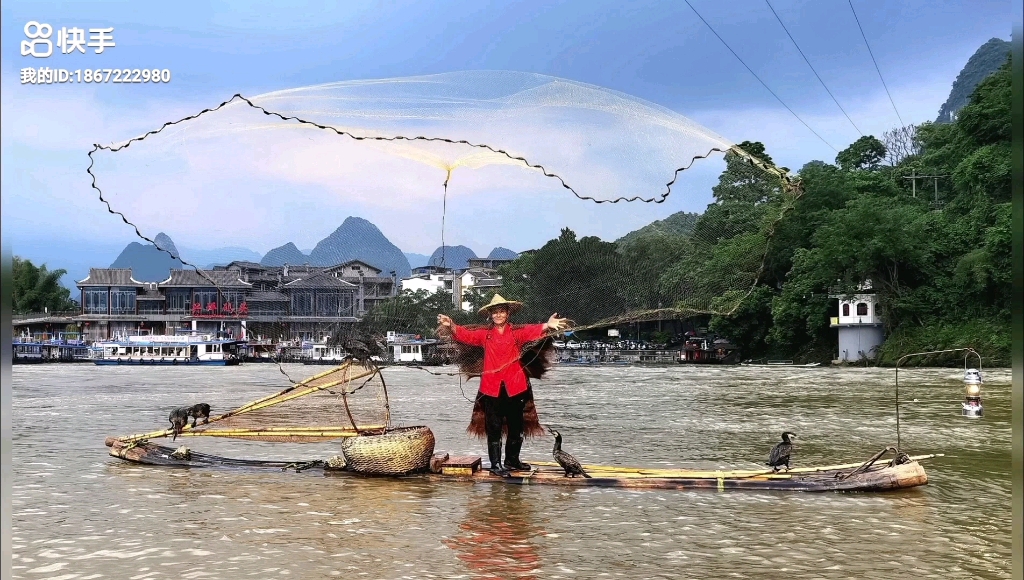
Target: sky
<point>659,53</point>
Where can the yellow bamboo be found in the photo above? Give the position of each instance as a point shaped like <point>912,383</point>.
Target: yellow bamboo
<point>713,474</point>
<point>279,393</point>
<point>276,431</point>
<point>264,402</point>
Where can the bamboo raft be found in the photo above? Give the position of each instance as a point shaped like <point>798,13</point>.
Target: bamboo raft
<point>871,475</point>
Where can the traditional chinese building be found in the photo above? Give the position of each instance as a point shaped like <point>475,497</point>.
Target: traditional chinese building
<point>241,299</point>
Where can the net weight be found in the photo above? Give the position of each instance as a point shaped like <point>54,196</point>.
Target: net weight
<point>123,75</point>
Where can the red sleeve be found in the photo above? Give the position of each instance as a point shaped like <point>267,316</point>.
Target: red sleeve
<point>530,332</point>
<point>466,336</point>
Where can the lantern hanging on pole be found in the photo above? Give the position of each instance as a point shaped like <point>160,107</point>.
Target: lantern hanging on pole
<point>971,407</point>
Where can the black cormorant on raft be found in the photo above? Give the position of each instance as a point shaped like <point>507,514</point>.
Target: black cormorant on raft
<point>779,455</point>
<point>569,463</point>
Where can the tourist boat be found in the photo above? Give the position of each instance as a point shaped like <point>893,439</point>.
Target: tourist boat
<point>178,349</point>
<point>28,350</point>
<point>317,353</point>
<point>27,353</point>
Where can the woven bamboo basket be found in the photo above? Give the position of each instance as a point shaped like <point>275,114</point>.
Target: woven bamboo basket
<point>396,452</point>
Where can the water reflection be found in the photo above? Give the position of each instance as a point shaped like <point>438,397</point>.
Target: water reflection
<point>495,537</point>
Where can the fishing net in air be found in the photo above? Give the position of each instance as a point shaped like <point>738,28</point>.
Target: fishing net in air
<point>374,205</point>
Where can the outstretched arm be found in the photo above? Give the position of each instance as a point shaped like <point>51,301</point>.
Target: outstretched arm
<point>533,332</point>
<point>462,334</point>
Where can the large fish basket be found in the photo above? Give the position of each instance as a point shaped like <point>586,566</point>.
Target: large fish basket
<point>396,452</point>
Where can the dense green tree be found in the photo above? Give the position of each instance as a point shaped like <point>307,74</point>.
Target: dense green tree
<point>865,153</point>
<point>578,278</point>
<point>36,289</point>
<point>414,312</point>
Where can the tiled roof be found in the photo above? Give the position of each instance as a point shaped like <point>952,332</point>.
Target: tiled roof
<point>244,264</point>
<point>218,278</point>
<point>109,277</point>
<point>320,280</point>
<point>349,263</point>
<point>266,297</point>
<point>151,296</point>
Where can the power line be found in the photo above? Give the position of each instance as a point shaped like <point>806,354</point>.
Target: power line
<point>876,63</point>
<point>812,68</point>
<point>759,78</point>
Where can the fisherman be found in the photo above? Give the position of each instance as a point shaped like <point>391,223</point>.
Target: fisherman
<point>505,399</point>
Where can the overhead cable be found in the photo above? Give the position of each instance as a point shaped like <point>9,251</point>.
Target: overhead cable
<point>876,63</point>
<point>812,68</point>
<point>759,78</point>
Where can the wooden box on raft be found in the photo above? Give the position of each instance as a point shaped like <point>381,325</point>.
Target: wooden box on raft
<point>878,477</point>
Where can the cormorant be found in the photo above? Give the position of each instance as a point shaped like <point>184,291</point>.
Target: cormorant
<point>780,453</point>
<point>569,463</point>
<point>199,411</point>
<point>362,347</point>
<point>178,419</point>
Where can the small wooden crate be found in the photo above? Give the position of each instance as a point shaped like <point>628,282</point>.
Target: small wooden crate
<point>461,465</point>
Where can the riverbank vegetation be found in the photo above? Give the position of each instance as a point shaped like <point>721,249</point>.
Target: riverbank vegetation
<point>37,289</point>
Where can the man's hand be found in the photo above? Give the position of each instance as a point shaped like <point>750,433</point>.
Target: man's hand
<point>444,320</point>
<point>556,323</point>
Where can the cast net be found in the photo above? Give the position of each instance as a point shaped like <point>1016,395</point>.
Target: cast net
<point>620,214</point>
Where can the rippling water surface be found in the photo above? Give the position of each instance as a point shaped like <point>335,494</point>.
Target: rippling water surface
<point>79,513</point>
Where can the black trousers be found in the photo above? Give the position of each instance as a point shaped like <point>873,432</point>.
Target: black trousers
<point>504,409</point>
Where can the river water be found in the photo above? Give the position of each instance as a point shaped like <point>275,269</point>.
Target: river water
<point>78,513</point>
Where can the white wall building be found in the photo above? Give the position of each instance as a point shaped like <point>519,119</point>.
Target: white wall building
<point>860,325</point>
<point>476,280</point>
<point>429,282</point>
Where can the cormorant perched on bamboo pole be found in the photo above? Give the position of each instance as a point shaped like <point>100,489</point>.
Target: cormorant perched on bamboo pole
<point>779,455</point>
<point>569,463</point>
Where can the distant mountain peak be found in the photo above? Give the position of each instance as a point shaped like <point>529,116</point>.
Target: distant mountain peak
<point>286,254</point>
<point>148,262</point>
<point>359,239</point>
<point>500,253</point>
<point>164,242</point>
<point>678,224</point>
<point>985,61</point>
<point>456,257</point>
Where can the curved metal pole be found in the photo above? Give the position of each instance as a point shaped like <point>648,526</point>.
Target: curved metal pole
<point>905,357</point>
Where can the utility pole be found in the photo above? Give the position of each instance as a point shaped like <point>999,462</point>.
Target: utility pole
<point>914,177</point>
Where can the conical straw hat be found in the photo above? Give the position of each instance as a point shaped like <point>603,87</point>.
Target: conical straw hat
<point>512,305</point>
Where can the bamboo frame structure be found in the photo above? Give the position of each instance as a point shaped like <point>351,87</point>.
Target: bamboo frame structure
<point>295,391</point>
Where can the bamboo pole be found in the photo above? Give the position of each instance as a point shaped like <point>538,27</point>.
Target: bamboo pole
<point>263,402</point>
<point>714,474</point>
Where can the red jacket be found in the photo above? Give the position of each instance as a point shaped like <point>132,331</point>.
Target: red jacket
<point>501,355</point>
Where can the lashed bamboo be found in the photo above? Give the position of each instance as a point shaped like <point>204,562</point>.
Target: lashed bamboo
<point>714,474</point>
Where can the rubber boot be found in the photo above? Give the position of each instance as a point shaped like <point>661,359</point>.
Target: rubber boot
<point>512,455</point>
<point>494,454</point>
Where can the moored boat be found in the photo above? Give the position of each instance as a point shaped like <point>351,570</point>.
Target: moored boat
<point>317,353</point>
<point>180,349</point>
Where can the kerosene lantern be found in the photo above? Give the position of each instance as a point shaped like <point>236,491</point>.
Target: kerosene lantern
<point>971,407</point>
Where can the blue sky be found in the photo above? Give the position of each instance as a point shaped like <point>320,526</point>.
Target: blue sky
<point>657,51</point>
